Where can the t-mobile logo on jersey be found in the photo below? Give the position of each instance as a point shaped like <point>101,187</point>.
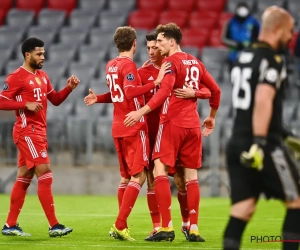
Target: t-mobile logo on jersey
<point>37,93</point>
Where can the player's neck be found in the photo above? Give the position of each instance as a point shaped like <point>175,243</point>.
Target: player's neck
<point>174,50</point>
<point>266,38</point>
<point>157,64</point>
<point>28,68</point>
<point>128,54</point>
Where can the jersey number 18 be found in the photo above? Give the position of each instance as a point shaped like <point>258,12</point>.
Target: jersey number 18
<point>192,77</point>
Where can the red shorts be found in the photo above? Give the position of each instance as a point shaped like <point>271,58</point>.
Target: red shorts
<point>32,151</point>
<point>176,143</point>
<point>133,153</point>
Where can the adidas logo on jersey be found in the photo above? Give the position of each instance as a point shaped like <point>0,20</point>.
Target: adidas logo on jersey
<point>151,78</point>
<point>31,82</point>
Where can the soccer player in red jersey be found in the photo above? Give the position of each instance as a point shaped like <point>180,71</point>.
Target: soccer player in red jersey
<point>179,133</point>
<point>132,146</point>
<point>148,72</point>
<point>26,91</point>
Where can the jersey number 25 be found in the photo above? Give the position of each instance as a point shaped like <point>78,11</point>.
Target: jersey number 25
<point>240,79</point>
<point>115,89</point>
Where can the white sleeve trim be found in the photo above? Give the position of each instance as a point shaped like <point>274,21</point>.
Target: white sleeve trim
<point>50,91</point>
<point>6,97</point>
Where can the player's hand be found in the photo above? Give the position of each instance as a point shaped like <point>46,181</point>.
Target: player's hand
<point>164,69</point>
<point>34,106</point>
<point>145,64</point>
<point>187,92</point>
<point>209,125</point>
<point>132,118</point>
<point>72,82</point>
<point>254,158</point>
<point>91,98</point>
<point>293,143</point>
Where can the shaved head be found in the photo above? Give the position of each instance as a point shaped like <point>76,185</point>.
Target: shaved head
<point>277,27</point>
<point>274,17</point>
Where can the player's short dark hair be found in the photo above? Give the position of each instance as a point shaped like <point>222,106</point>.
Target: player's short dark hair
<point>124,38</point>
<point>29,45</point>
<point>151,37</point>
<point>170,30</point>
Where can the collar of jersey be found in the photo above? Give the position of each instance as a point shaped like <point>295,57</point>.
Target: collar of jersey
<point>125,57</point>
<point>262,44</point>
<point>28,70</point>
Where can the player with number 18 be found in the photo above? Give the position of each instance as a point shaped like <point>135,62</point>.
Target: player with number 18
<point>179,133</point>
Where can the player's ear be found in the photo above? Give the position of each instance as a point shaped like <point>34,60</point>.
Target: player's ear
<point>27,54</point>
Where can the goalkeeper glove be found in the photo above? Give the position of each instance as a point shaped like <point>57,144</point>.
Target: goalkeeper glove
<point>294,144</point>
<point>255,157</point>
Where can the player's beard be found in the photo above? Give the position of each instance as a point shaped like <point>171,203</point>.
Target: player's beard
<point>283,46</point>
<point>33,64</point>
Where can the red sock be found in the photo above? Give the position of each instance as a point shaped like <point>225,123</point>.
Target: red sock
<point>46,197</point>
<point>153,208</point>
<point>17,198</point>
<point>164,199</point>
<point>182,199</point>
<point>130,195</point>
<point>193,201</point>
<point>121,191</point>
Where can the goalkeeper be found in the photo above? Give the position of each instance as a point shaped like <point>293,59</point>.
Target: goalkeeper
<point>256,158</point>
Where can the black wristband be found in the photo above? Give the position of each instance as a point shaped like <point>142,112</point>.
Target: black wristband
<point>260,140</point>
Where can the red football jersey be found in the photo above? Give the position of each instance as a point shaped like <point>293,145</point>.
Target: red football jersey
<point>121,73</point>
<point>188,69</point>
<point>148,74</point>
<point>25,86</point>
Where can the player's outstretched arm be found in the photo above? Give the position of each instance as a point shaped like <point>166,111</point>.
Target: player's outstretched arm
<point>134,91</point>
<point>92,98</point>
<point>157,100</point>
<point>188,92</point>
<point>56,98</point>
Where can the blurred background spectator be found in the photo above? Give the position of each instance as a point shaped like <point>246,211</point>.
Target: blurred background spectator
<point>241,30</point>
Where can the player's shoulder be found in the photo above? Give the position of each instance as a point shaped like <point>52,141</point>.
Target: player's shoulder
<point>262,49</point>
<point>147,68</point>
<point>262,52</point>
<point>14,75</point>
<point>41,72</point>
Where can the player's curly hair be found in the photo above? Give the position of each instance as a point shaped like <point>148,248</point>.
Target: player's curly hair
<point>151,37</point>
<point>170,30</point>
<point>29,45</point>
<point>124,38</point>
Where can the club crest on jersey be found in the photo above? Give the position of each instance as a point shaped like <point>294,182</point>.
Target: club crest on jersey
<point>5,86</point>
<point>44,79</point>
<point>43,153</point>
<point>271,75</point>
<point>130,77</point>
<point>38,80</point>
